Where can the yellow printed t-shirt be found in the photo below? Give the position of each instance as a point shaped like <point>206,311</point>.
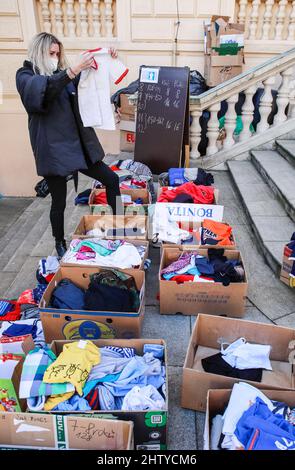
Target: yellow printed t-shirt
<point>73,364</point>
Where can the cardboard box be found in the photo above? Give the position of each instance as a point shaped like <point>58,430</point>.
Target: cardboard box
<point>127,141</point>
<point>19,345</point>
<point>191,298</point>
<point>134,193</point>
<point>126,107</point>
<point>137,226</point>
<point>217,401</point>
<point>75,324</point>
<point>10,374</point>
<point>224,50</point>
<point>287,266</point>
<point>150,428</point>
<point>49,432</point>
<point>218,69</point>
<point>204,342</point>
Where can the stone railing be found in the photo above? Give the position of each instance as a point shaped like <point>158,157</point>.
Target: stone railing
<point>275,73</point>
<point>78,18</point>
<point>267,19</point>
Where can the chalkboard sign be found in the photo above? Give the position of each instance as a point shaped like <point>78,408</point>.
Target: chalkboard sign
<point>162,117</point>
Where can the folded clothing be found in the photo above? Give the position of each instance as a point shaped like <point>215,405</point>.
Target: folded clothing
<point>215,268</point>
<point>111,253</point>
<point>83,198</point>
<point>179,176</point>
<point>216,233</point>
<point>217,365</point>
<point>143,399</point>
<point>21,325</point>
<point>199,194</point>
<point>112,290</point>
<point>66,295</point>
<point>46,269</point>
<point>244,355</point>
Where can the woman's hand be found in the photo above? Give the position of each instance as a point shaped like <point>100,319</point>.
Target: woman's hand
<point>84,62</point>
<point>113,52</point>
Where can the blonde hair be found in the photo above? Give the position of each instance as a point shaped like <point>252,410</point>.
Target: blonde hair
<point>39,53</point>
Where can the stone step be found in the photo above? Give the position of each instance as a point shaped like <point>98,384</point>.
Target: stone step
<point>267,218</point>
<point>279,175</point>
<point>286,148</point>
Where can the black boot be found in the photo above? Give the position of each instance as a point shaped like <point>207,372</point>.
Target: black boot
<point>64,244</point>
<point>61,248</point>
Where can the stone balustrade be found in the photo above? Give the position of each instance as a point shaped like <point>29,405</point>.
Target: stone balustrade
<point>78,18</point>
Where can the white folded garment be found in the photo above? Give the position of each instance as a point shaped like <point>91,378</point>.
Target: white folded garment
<point>142,399</point>
<point>243,355</point>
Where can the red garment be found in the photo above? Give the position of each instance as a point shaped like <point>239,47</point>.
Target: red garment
<point>140,184</point>
<point>114,168</point>
<point>14,314</point>
<point>27,297</point>
<point>180,278</point>
<point>200,194</point>
<point>100,198</point>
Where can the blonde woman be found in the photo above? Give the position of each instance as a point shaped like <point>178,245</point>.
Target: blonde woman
<point>61,144</point>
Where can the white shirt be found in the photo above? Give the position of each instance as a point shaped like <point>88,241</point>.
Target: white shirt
<point>94,90</point>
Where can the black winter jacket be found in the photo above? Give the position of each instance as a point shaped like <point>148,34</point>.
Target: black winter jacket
<point>60,143</point>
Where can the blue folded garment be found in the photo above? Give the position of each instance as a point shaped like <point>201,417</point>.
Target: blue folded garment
<point>176,176</point>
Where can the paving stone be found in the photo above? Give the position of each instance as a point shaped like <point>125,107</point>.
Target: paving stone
<point>253,314</point>
<point>181,422</point>
<point>11,209</point>
<point>25,279</point>
<point>288,320</point>
<point>6,279</point>
<point>174,329</point>
<point>200,426</point>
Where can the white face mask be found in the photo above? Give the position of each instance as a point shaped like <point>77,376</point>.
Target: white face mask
<point>53,64</point>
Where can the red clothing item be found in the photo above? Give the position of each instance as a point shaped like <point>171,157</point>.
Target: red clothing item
<point>14,315</point>
<point>100,198</point>
<point>199,194</point>
<point>180,278</point>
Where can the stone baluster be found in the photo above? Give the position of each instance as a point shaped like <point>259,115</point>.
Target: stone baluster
<point>291,29</point>
<point>283,96</point>
<point>213,130</point>
<point>242,11</point>
<point>281,19</point>
<point>195,134</point>
<point>83,18</point>
<point>247,113</point>
<point>254,19</point>
<point>96,18</point>
<point>59,26</point>
<point>45,12</point>
<point>71,19</point>
<point>230,122</point>
<point>291,113</point>
<point>109,18</point>
<point>265,106</point>
<point>267,19</point>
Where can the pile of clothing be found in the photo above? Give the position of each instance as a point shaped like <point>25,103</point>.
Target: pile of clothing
<point>132,175</point>
<point>240,359</point>
<point>291,246</point>
<point>10,310</point>
<point>84,377</point>
<point>100,198</point>
<point>209,233</point>
<point>193,267</point>
<point>113,253</point>
<point>252,421</point>
<point>24,327</point>
<point>178,176</point>
<point>109,290</point>
<point>188,193</point>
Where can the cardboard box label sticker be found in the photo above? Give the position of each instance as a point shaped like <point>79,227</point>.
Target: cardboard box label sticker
<point>188,212</point>
<point>60,432</point>
<point>149,75</point>
<point>87,329</point>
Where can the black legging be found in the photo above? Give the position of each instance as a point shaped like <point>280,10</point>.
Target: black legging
<point>58,189</point>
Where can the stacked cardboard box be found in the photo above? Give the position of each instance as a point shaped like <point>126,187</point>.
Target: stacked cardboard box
<point>287,267</point>
<point>224,50</point>
<point>127,125</point>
